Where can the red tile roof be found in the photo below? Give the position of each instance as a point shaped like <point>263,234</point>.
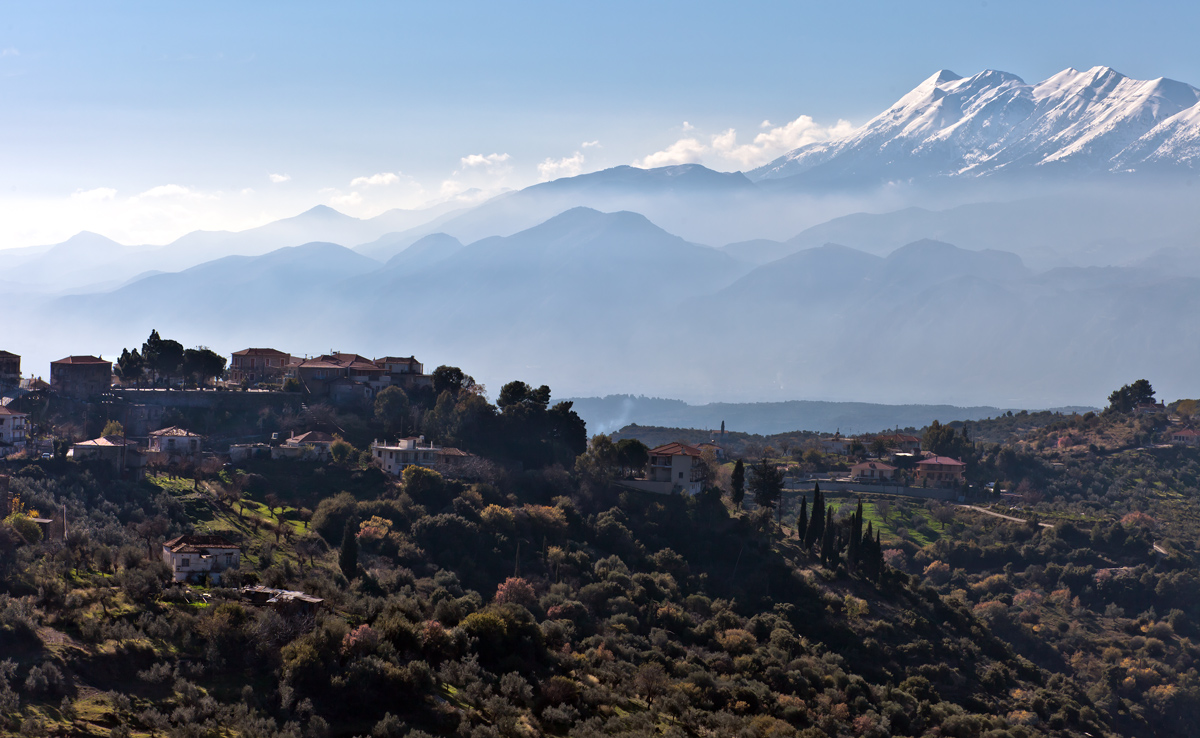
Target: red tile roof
<point>81,360</point>
<point>873,465</point>
<point>5,410</point>
<point>942,460</point>
<point>1186,432</point>
<point>260,352</point>
<point>675,448</point>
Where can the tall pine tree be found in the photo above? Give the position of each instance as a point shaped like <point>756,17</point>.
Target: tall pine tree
<point>802,519</point>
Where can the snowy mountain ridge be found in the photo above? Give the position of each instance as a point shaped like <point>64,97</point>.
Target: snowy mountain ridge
<point>950,126</point>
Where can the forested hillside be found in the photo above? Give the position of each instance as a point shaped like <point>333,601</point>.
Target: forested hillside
<point>545,599</point>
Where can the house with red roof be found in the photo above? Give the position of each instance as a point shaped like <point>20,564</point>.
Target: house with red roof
<point>872,471</point>
<point>677,464</point>
<point>80,377</point>
<point>940,471</point>
<point>259,365</point>
<point>320,376</point>
<point>1184,437</point>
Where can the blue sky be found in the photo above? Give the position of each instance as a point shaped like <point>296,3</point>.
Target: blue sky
<point>143,121</point>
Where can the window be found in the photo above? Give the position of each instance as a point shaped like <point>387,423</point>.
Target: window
<point>185,563</point>
<point>228,559</point>
<point>681,475</point>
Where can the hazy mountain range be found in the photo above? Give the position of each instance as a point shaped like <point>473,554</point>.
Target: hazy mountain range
<point>885,284</point>
<point>614,412</point>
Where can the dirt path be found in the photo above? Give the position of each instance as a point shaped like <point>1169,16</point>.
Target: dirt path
<point>1010,518</point>
<point>1157,548</point>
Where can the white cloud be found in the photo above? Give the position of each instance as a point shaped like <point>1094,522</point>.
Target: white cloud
<point>779,140</point>
<point>683,151</point>
<point>491,161</point>
<point>688,127</point>
<point>167,190</point>
<point>769,144</point>
<point>279,178</point>
<point>10,51</point>
<point>383,178</point>
<point>247,191</point>
<point>98,194</point>
<point>452,187</point>
<point>568,166</point>
<point>590,144</point>
<point>350,200</point>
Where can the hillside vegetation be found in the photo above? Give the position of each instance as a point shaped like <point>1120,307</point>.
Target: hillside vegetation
<point>550,601</point>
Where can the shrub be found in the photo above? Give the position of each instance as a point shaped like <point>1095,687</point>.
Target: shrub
<point>517,591</point>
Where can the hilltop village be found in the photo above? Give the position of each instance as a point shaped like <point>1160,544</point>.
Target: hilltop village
<point>336,545</point>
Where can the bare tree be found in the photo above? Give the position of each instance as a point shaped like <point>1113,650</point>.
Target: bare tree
<point>884,507</point>
<point>150,529</point>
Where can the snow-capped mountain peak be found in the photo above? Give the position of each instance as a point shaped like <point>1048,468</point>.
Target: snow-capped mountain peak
<point>1095,120</point>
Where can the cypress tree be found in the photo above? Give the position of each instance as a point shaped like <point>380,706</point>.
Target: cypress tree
<point>856,534</point>
<point>852,543</point>
<point>737,483</point>
<point>827,543</point>
<point>802,520</point>
<point>878,557</point>
<point>348,557</point>
<point>816,524</point>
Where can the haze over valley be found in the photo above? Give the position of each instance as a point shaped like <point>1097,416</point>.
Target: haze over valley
<point>982,241</point>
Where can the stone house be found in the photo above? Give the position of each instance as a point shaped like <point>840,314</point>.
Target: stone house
<point>80,377</point>
<point>259,365</point>
<point>10,370</point>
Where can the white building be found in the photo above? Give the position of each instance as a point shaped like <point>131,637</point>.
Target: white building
<point>14,431</point>
<point>407,453</point>
<point>678,465</point>
<point>395,458</point>
<point>175,443</point>
<point>191,557</point>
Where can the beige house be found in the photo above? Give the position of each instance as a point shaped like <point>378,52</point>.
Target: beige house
<point>312,445</point>
<point>176,443</point>
<point>679,465</point>
<point>406,373</point>
<point>117,451</point>
<point>872,471</point>
<point>940,471</point>
<point>1184,437</point>
<point>191,557</point>
<point>14,431</point>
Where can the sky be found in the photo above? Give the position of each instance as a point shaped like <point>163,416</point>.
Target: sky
<point>144,121</point>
